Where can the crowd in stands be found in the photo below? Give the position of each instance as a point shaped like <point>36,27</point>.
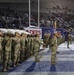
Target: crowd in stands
<point>64,21</point>
<point>14,19</point>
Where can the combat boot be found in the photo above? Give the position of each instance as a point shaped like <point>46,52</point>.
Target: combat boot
<point>68,47</point>
<point>14,65</point>
<point>37,60</point>
<point>53,63</point>
<point>18,64</point>
<point>9,68</point>
<point>4,70</point>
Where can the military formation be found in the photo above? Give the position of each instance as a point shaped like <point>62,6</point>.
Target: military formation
<point>16,48</point>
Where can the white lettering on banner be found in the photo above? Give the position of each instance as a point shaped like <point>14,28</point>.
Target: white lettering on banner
<point>35,31</point>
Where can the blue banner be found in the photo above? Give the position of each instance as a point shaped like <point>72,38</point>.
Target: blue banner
<point>45,30</point>
<point>51,30</point>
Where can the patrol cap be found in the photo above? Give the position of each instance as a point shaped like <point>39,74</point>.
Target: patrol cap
<point>17,33</point>
<point>1,33</point>
<point>28,35</point>
<point>37,35</point>
<point>8,32</point>
<point>32,35</point>
<point>23,33</point>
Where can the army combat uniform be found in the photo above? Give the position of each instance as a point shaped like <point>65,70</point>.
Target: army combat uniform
<point>32,45</point>
<point>45,38</point>
<point>7,51</point>
<point>23,47</point>
<point>69,41</point>
<point>59,40</point>
<point>53,47</point>
<point>16,52</point>
<point>28,44</point>
<point>1,51</point>
<point>37,43</point>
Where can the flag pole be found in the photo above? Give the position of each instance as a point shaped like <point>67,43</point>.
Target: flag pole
<point>29,12</point>
<point>38,13</point>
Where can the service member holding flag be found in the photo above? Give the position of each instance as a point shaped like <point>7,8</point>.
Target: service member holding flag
<point>53,44</point>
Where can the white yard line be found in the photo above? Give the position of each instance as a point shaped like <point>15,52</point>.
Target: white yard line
<point>59,58</point>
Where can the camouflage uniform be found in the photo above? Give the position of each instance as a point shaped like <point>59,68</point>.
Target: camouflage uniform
<point>22,48</point>
<point>29,45</point>
<point>44,40</point>
<point>16,50</point>
<point>69,41</point>
<point>7,51</point>
<point>59,40</point>
<point>26,49</point>
<point>32,45</point>
<point>36,48</point>
<point>53,46</point>
<point>28,42</point>
<point>1,51</point>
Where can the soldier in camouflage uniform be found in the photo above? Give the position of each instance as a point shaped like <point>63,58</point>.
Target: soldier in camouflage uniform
<point>7,51</point>
<point>69,40</point>
<point>44,40</point>
<point>16,53</point>
<point>23,47</point>
<point>32,44</point>
<point>26,51</point>
<point>53,47</point>
<point>37,43</point>
<point>1,51</point>
<point>28,44</point>
<point>59,39</point>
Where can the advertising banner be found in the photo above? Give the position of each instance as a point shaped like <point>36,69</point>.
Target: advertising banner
<point>35,31</point>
